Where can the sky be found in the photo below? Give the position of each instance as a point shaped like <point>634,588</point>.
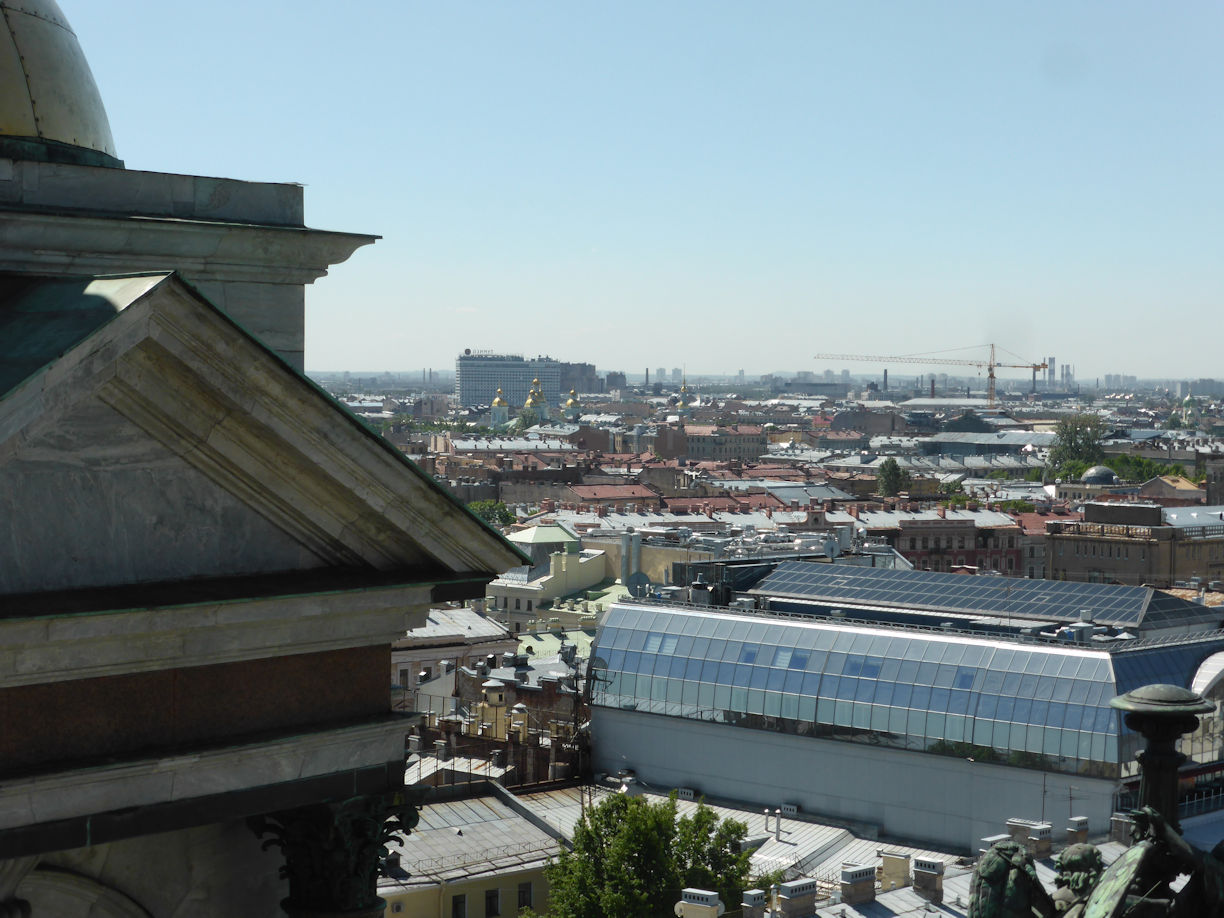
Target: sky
<point>714,185</point>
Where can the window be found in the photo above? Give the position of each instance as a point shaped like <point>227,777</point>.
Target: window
<point>524,895</point>
<point>492,902</point>
<point>529,605</point>
<point>518,603</point>
<point>459,906</point>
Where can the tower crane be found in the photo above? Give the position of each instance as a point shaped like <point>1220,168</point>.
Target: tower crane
<point>948,361</point>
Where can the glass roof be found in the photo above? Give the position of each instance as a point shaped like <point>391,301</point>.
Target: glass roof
<point>1037,705</point>
<point>1033,705</point>
<point>1045,600</point>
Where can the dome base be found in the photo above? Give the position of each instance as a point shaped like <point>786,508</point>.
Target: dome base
<point>47,151</point>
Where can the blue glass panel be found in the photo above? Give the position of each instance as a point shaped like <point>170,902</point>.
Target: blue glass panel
<point>760,675</point>
<point>742,675</point>
<point>902,694</point>
<point>1058,715</point>
<point>921,697</point>
<point>896,720</point>
<point>739,699</point>
<point>798,660</point>
<point>825,709</point>
<point>935,726</point>
<point>773,704</point>
<point>846,688</point>
<point>983,732</point>
<point>1022,710</point>
<point>958,702</point>
<point>777,679</point>
<point>705,696</point>
<point>756,701</point>
<point>861,716</point>
<point>691,693</point>
<point>727,672</point>
<point>807,709</point>
<point>939,699</point>
<point>678,668</point>
<point>879,718</point>
<point>964,677</point>
<point>865,690</point>
<point>954,728</point>
<point>790,706</point>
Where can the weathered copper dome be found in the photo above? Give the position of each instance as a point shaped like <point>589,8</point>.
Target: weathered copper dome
<point>50,108</point>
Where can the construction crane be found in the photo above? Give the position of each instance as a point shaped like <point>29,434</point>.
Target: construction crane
<point>990,365</point>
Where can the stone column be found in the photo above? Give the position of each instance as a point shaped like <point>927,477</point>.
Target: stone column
<point>333,851</point>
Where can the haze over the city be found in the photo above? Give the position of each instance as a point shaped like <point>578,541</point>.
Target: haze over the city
<point>717,185</point>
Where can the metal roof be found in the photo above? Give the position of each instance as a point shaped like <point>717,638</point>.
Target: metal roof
<point>1003,597</point>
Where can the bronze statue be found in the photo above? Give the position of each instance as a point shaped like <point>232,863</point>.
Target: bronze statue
<point>1005,885</point>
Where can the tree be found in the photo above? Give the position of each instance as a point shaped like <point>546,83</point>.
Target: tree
<point>890,478</point>
<point>631,859</point>
<point>1077,438</point>
<point>493,512</point>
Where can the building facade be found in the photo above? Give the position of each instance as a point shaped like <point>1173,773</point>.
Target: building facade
<point>842,691</point>
<point>479,374</point>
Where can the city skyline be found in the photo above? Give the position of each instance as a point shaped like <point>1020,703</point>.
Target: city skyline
<point>710,184</point>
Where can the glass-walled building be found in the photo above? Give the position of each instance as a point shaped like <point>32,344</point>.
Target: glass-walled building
<point>933,706</point>
<point>1031,704</point>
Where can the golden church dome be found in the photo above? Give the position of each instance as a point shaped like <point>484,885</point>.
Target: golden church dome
<point>50,108</point>
<point>499,402</point>
<point>572,401</point>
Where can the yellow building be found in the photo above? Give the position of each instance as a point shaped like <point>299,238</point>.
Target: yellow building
<point>471,858</point>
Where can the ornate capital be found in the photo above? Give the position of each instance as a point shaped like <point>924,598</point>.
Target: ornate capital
<point>333,851</point>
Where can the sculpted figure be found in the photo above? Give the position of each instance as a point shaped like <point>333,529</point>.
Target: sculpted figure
<point>1079,868</point>
<point>1005,885</point>
<point>1203,894</point>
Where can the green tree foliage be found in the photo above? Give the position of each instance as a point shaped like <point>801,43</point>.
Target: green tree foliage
<point>1077,438</point>
<point>890,479</point>
<point>631,859</point>
<point>493,512</point>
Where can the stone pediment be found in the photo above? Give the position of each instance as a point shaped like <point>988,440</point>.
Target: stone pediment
<point>145,437</point>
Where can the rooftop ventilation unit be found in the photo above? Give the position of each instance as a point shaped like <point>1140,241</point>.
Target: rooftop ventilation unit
<point>686,793</point>
<point>790,809</point>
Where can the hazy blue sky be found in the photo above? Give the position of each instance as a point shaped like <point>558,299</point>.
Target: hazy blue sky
<point>721,185</point>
